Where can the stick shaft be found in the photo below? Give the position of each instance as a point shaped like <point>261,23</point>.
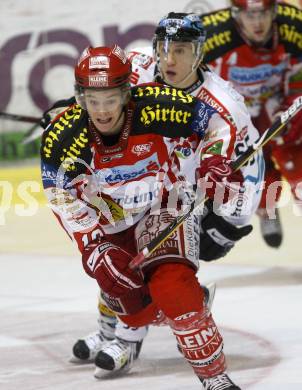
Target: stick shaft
<point>19,118</point>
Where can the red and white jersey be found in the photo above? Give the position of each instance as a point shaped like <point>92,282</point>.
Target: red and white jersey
<point>96,189</point>
<point>220,95</point>
<point>262,75</point>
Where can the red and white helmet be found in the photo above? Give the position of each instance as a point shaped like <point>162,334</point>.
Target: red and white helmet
<point>101,68</point>
<point>253,4</point>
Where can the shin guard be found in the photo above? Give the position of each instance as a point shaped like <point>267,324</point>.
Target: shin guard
<point>200,342</point>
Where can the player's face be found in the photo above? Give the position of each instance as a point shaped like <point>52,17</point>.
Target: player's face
<point>176,63</point>
<point>256,24</point>
<point>105,109</point>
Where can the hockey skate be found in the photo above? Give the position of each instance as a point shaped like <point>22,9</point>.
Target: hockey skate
<point>219,382</point>
<point>209,291</point>
<point>116,357</point>
<point>271,230</point>
<point>86,349</point>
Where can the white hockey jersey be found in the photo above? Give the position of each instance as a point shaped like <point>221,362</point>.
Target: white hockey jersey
<point>219,94</point>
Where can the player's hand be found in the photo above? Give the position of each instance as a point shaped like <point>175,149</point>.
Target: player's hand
<point>217,178</point>
<point>108,264</point>
<point>218,236</point>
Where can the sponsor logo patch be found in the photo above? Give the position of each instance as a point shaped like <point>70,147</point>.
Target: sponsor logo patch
<point>99,62</point>
<point>259,73</point>
<point>100,80</point>
<point>130,172</point>
<point>141,149</point>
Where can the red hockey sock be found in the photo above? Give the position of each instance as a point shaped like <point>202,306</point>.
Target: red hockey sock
<point>200,343</point>
<point>175,290</point>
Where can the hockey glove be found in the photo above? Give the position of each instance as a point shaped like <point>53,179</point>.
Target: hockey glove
<point>108,264</point>
<point>217,178</point>
<point>218,236</point>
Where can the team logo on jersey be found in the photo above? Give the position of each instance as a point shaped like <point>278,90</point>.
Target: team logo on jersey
<point>210,100</point>
<point>141,149</point>
<point>142,60</point>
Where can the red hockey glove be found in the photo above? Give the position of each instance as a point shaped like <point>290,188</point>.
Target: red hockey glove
<point>218,180</point>
<point>108,264</point>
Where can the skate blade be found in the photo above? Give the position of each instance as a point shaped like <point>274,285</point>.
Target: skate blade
<point>75,360</point>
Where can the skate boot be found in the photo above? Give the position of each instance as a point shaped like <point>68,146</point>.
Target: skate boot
<point>219,382</point>
<point>209,292</point>
<point>271,229</point>
<point>86,349</point>
<point>116,357</point>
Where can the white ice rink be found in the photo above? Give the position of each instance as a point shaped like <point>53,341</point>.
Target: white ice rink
<point>47,302</point>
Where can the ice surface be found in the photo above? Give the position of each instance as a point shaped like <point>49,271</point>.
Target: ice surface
<point>48,302</point>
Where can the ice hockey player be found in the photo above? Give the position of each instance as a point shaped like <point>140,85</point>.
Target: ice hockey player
<point>116,168</point>
<point>255,44</point>
<point>227,233</point>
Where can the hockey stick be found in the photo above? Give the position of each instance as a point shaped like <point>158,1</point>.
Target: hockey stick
<point>19,118</point>
<point>32,134</point>
<point>278,125</point>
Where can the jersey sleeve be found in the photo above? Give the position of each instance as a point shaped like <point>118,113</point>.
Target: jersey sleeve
<point>219,125</point>
<point>230,134</point>
<point>65,154</point>
<point>289,24</point>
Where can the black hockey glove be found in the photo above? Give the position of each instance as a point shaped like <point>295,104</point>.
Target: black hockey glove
<point>55,110</point>
<point>218,236</point>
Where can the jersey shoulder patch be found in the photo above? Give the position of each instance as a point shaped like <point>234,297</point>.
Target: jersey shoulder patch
<point>143,67</point>
<point>289,22</point>
<point>168,111</point>
<point>221,34</point>
<point>141,59</point>
<point>66,139</point>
